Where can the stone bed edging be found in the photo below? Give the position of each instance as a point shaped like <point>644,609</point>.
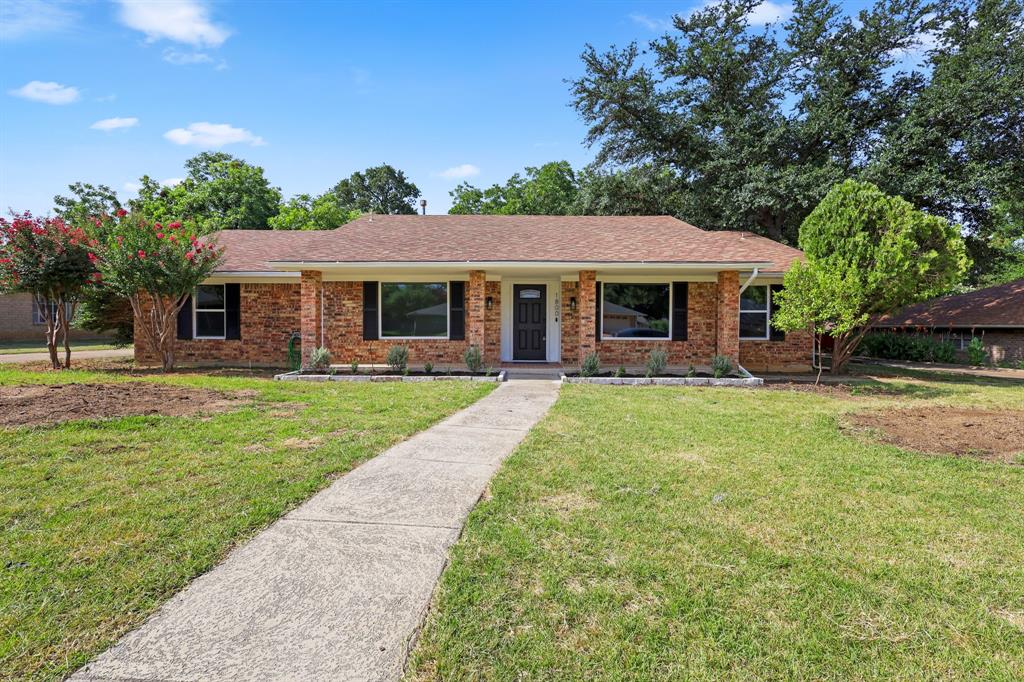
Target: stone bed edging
<point>664,381</point>
<point>295,376</point>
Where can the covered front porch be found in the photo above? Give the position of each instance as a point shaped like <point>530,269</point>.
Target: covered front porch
<point>548,315</point>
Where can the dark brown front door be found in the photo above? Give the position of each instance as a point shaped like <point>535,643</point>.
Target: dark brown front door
<point>529,323</point>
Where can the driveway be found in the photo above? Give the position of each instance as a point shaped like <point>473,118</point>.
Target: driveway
<point>336,589</point>
<point>75,355</point>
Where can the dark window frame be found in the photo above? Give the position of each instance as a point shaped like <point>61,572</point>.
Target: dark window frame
<point>646,339</point>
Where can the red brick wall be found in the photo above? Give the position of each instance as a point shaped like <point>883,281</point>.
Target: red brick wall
<point>586,315</point>
<point>570,324</point>
<point>269,315</point>
<point>703,307</point>
<point>728,337</point>
<point>492,324</point>
<point>791,354</point>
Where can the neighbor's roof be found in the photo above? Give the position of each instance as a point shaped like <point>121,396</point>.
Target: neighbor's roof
<point>1000,306</point>
<point>518,239</point>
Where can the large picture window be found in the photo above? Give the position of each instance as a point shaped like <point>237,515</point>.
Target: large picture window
<point>413,309</point>
<point>209,311</point>
<point>635,311</point>
<point>755,303</point>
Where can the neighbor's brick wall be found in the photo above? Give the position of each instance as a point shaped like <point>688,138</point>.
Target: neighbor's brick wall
<point>16,322</point>
<point>269,315</point>
<point>1004,345</point>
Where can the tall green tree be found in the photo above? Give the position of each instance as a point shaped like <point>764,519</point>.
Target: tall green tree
<point>304,212</point>
<point>867,254</point>
<point>220,192</point>
<point>757,125</point>
<point>550,189</point>
<point>379,189</point>
<point>86,201</point>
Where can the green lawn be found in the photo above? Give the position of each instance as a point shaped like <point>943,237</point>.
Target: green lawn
<point>19,347</point>
<point>102,521</point>
<point>706,534</point>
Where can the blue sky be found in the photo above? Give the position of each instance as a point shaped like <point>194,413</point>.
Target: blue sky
<point>105,92</point>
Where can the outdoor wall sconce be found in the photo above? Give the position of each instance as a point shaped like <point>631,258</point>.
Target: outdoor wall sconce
<point>489,302</point>
<point>572,303</point>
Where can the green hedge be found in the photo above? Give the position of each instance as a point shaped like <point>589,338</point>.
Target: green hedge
<point>914,347</point>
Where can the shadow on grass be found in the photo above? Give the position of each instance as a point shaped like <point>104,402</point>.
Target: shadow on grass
<point>935,375</point>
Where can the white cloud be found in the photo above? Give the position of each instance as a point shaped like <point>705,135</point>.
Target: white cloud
<point>109,124</point>
<point>171,182</point>
<point>205,134</point>
<point>765,13</point>
<point>179,58</point>
<point>650,23</point>
<point>769,12</point>
<point>26,18</point>
<point>47,91</point>
<point>466,170</point>
<point>183,21</point>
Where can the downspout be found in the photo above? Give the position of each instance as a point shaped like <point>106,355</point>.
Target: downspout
<point>743,288</point>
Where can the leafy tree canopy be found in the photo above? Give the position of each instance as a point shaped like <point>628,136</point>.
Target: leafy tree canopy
<point>380,189</point>
<point>86,201</point>
<point>556,189</point>
<point>303,212</point>
<point>758,125</point>
<point>220,192</point>
<point>867,254</point>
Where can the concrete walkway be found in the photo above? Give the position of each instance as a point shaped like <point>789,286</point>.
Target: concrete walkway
<point>336,589</point>
<point>75,355</point>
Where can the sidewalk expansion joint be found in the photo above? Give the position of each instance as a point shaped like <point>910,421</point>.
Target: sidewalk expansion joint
<point>346,522</point>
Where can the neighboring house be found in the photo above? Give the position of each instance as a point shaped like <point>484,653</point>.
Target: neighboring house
<point>21,320</point>
<point>995,315</point>
<point>522,288</point>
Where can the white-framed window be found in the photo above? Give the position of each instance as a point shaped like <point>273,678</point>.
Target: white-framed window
<point>959,340</point>
<point>208,312</point>
<point>636,311</point>
<point>413,310</point>
<point>755,313</point>
<point>37,314</point>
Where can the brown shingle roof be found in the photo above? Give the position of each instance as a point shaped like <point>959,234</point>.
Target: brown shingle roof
<point>476,238</point>
<point>1000,306</point>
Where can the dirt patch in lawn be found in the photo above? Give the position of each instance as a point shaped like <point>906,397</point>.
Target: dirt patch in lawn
<point>50,404</point>
<point>991,435</point>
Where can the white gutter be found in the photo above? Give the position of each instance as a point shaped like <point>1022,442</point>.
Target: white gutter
<point>746,284</point>
<point>484,265</point>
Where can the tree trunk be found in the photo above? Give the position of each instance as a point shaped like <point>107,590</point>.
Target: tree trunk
<point>46,310</point>
<point>65,329</point>
<point>159,325</point>
<point>845,346</point>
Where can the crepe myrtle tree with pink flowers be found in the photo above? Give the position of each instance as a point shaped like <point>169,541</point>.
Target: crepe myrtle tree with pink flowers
<point>156,267</point>
<point>54,262</point>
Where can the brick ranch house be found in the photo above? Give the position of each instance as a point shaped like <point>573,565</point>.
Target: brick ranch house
<point>994,314</point>
<point>548,289</point>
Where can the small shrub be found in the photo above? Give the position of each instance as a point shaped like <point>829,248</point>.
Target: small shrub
<point>657,361</point>
<point>692,372</point>
<point>428,368</point>
<point>320,358</point>
<point>620,372</point>
<point>474,359</point>
<point>976,354</point>
<point>591,365</point>
<point>398,358</point>
<point>912,347</point>
<point>489,372</point>
<point>354,367</point>
<point>720,366</point>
